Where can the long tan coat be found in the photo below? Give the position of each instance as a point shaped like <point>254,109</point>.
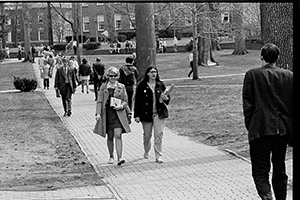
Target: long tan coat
<point>120,93</point>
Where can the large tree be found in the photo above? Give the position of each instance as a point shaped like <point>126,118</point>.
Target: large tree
<point>26,27</point>
<point>145,36</point>
<point>239,33</point>
<point>277,28</point>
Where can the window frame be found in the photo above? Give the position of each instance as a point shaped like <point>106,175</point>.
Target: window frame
<point>100,22</point>
<point>85,23</point>
<point>116,21</point>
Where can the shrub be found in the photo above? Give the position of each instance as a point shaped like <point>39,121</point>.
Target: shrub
<point>122,38</point>
<point>129,35</point>
<point>91,45</point>
<point>25,84</point>
<point>69,38</point>
<point>187,34</point>
<point>2,54</point>
<point>59,47</point>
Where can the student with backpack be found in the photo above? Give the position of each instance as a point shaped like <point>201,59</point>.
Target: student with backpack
<point>128,76</point>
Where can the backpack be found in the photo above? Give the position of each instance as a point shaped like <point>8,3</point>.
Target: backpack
<point>129,76</point>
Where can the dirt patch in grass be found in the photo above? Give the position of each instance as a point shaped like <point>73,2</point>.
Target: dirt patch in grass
<point>37,152</point>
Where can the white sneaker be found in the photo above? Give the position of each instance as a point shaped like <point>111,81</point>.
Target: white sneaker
<point>111,161</point>
<point>159,160</point>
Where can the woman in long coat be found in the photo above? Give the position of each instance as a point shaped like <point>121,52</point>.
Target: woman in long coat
<point>113,118</point>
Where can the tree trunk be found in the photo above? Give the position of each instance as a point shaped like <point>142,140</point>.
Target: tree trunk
<point>26,28</point>
<point>240,38</point>
<point>75,28</point>
<point>110,27</point>
<point>50,33</point>
<point>215,45</point>
<point>205,57</point>
<point>145,37</point>
<point>240,45</point>
<point>277,28</point>
<point>2,24</point>
<point>195,47</point>
<point>204,52</point>
<point>215,15</point>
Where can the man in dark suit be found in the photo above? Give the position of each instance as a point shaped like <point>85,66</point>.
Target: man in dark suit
<point>268,112</point>
<point>98,76</point>
<point>65,82</point>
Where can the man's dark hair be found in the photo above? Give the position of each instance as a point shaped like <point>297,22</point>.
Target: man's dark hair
<point>129,60</point>
<point>270,52</point>
<point>84,61</point>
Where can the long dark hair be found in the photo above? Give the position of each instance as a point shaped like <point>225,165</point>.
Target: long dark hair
<point>146,77</point>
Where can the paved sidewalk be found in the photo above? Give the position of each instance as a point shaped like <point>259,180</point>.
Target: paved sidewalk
<point>190,170</point>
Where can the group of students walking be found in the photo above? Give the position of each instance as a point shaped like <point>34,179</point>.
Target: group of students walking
<point>147,100</point>
<point>117,94</point>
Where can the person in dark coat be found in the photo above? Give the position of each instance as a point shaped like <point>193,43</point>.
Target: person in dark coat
<point>84,75</point>
<point>98,76</point>
<point>65,82</point>
<point>268,114</point>
<point>150,109</point>
<point>128,76</point>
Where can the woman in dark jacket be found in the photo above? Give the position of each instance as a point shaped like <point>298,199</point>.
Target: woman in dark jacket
<point>150,109</point>
<point>84,75</point>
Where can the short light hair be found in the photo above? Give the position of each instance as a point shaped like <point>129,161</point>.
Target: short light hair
<point>113,70</point>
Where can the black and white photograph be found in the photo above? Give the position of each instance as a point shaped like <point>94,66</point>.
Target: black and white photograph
<point>147,100</point>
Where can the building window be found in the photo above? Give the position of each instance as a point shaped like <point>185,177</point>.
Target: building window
<point>188,20</point>
<point>100,4</point>
<point>9,36</point>
<point>85,4</point>
<point>225,17</point>
<point>40,17</point>
<point>117,21</point>
<point>40,34</point>
<point>100,22</point>
<point>86,24</point>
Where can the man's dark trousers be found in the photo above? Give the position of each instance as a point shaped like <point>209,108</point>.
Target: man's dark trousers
<point>66,96</point>
<point>261,150</point>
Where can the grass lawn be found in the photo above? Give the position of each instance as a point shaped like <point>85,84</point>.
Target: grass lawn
<point>37,152</point>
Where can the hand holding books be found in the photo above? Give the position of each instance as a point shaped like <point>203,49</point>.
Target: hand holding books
<point>116,103</point>
<point>164,95</point>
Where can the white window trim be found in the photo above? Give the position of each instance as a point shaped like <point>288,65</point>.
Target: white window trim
<point>83,24</point>
<point>225,14</point>
<point>40,18</point>
<point>9,37</point>
<point>118,28</point>
<point>100,4</point>
<point>98,22</point>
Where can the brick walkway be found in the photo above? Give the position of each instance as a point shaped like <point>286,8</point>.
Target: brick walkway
<point>190,170</point>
